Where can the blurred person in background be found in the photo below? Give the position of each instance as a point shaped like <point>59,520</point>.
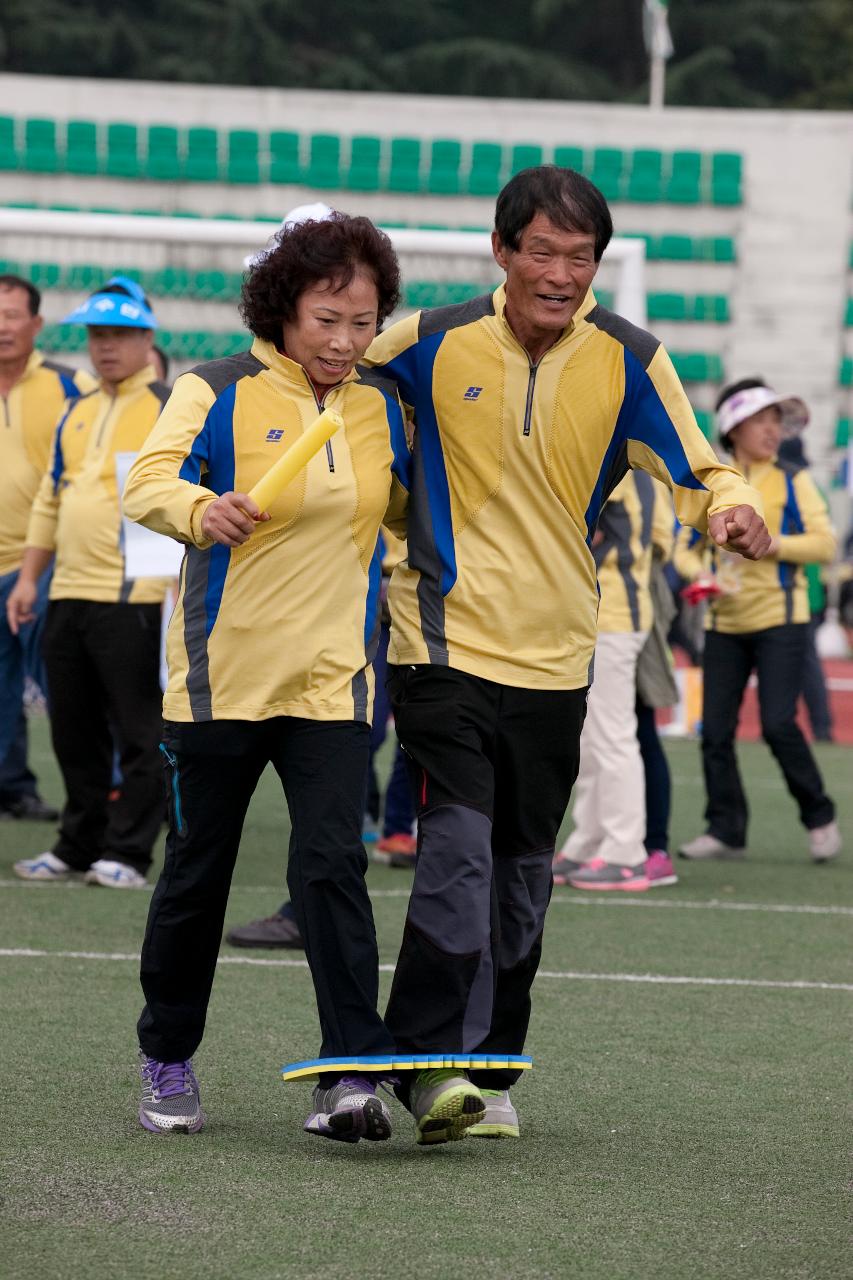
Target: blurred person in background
<point>757,619</point>
<point>33,390</point>
<point>607,848</point>
<point>102,631</point>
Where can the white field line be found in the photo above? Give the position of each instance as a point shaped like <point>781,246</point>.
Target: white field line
<point>559,898</point>
<point>569,975</point>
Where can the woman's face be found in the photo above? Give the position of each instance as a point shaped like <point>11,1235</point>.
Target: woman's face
<point>333,327</point>
<point>758,437</point>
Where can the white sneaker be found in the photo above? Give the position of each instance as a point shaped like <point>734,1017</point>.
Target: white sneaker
<point>500,1119</point>
<point>45,867</point>
<point>708,846</point>
<point>825,842</point>
<point>114,875</point>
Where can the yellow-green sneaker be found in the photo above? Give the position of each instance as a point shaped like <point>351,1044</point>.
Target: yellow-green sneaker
<point>500,1119</point>
<point>445,1104</point>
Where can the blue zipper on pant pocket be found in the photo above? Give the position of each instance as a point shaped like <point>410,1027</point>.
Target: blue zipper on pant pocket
<point>172,761</point>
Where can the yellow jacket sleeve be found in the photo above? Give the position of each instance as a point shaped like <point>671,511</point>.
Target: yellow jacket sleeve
<point>816,544</point>
<point>156,494</point>
<point>44,513</point>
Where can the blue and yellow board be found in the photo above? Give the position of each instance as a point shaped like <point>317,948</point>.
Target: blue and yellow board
<point>391,1063</point>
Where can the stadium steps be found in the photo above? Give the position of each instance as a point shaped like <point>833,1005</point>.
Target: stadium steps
<point>334,162</point>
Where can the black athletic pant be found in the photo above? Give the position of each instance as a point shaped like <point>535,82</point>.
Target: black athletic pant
<point>493,770</point>
<point>323,768</point>
<point>102,663</point>
<point>777,655</point>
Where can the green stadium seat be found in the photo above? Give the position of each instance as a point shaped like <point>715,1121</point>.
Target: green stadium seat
<point>45,275</point>
<point>405,170</point>
<point>364,163</point>
<point>843,432</point>
<point>849,263</point>
<point>163,159</point>
<point>122,151</point>
<point>524,156</point>
<point>484,178</point>
<point>697,366</point>
<point>443,176</point>
<point>324,161</point>
<point>705,422</point>
<point>40,153</point>
<point>685,178</point>
<point>726,172</point>
<point>285,166</point>
<point>81,147</point>
<point>676,248</point>
<point>645,181</point>
<point>8,148</point>
<point>845,372</point>
<point>202,160</point>
<point>569,158</point>
<point>722,249</point>
<point>421,294</point>
<point>666,306</point>
<point>243,158</point>
<point>710,308</point>
<point>607,171</point>
<point>82,277</point>
<point>848,314</point>
<point>170,282</point>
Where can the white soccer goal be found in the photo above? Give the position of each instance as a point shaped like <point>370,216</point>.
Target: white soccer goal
<point>437,266</point>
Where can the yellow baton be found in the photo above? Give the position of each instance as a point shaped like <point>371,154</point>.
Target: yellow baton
<point>295,458</point>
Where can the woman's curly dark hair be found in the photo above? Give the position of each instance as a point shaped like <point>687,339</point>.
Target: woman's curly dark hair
<point>309,252</point>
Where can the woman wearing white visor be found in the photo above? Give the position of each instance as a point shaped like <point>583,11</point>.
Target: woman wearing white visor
<point>757,620</point>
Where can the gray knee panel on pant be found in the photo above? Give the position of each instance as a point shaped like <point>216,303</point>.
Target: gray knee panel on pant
<point>451,895</point>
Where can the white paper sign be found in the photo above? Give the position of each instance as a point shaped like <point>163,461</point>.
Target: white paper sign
<point>146,554</point>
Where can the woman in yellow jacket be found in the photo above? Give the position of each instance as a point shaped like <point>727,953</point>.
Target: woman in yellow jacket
<point>269,652</point>
<point>757,619</point>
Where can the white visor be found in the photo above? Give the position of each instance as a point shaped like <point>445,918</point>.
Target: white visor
<point>743,404</point>
<point>317,212</point>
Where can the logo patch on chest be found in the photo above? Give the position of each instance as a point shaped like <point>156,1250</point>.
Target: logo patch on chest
<point>274,435</point>
<point>473,393</point>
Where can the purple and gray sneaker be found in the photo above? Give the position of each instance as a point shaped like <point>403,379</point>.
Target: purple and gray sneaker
<point>348,1111</point>
<point>170,1098</point>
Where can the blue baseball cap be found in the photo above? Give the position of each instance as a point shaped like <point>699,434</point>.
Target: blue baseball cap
<point>128,308</point>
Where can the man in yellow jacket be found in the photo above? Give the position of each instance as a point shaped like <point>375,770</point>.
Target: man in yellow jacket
<point>32,393</point>
<point>530,405</point>
<point>102,634</point>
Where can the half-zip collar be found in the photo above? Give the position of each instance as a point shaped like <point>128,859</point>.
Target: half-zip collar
<point>127,387</point>
<point>570,332</point>
<point>294,377</point>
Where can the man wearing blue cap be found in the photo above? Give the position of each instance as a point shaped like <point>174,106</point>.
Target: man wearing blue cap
<point>102,633</point>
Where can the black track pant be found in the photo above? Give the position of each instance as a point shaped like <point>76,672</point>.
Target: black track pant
<point>493,769</point>
<point>102,663</point>
<point>323,767</point>
<point>777,655</point>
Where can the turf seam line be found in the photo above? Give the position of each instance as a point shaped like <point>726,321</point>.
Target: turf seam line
<point>560,898</point>
<point>564,974</point>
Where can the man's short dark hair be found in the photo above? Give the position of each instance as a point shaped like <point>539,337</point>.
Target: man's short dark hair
<point>567,199</point>
<point>305,255</point>
<point>18,282</point>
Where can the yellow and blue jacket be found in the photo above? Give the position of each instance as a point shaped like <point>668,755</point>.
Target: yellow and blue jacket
<point>512,463</point>
<point>773,591</point>
<point>30,413</point>
<point>635,521</point>
<point>77,510</point>
<point>287,623</point>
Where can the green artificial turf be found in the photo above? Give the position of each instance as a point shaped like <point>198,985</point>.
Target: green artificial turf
<point>668,1130</point>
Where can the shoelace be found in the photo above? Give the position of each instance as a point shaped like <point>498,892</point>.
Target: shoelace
<point>361,1083</point>
<point>169,1078</point>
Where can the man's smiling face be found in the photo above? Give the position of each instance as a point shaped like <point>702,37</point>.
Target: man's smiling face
<point>547,278</point>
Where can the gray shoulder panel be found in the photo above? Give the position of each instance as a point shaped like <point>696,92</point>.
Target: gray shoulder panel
<point>638,341</point>
<point>56,367</point>
<point>373,378</point>
<point>440,319</point>
<point>161,391</point>
<point>219,374</point>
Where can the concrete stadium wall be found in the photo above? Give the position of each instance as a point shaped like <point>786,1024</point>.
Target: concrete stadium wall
<point>793,231</point>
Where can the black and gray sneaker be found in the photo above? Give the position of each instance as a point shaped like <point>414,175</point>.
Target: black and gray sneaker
<point>348,1111</point>
<point>170,1097</point>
